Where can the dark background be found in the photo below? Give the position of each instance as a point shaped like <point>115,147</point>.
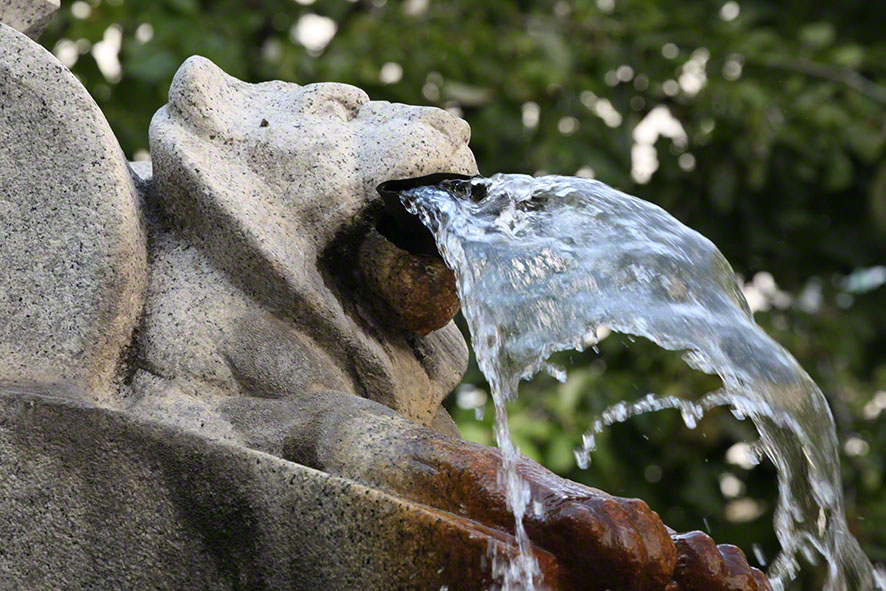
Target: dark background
<point>773,144</point>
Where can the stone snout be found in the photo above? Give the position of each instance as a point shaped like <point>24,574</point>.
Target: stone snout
<point>400,264</point>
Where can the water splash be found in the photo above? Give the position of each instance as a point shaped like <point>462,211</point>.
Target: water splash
<point>541,263</point>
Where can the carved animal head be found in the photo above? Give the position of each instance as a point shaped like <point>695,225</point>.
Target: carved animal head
<point>275,182</point>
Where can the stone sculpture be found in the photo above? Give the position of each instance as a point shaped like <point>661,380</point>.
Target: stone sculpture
<point>214,372</point>
<point>30,17</point>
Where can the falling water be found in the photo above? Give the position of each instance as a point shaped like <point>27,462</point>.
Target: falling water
<point>541,263</point>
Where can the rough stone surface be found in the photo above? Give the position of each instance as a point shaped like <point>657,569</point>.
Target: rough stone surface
<point>199,386</point>
<point>115,503</point>
<point>274,186</point>
<point>401,280</point>
<point>72,254</point>
<point>28,16</point>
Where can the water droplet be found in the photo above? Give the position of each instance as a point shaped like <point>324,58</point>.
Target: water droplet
<point>588,442</point>
<point>688,418</point>
<point>758,554</point>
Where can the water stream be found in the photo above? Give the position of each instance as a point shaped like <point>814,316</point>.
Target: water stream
<point>542,262</point>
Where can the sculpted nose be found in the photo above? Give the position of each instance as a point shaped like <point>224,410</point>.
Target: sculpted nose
<point>455,128</point>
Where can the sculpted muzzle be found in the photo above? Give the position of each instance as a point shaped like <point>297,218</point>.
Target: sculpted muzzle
<point>401,266</point>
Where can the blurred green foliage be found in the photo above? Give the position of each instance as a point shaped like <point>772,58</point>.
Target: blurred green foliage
<point>783,166</point>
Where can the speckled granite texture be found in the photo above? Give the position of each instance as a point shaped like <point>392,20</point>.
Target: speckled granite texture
<point>28,16</point>
<point>73,265</point>
<point>114,503</point>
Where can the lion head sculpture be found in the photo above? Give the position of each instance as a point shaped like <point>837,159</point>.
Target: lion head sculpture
<point>274,185</point>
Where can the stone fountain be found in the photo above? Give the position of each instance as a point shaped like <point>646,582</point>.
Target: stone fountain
<point>223,369</point>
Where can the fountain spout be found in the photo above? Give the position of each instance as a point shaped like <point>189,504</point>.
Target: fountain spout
<point>421,240</point>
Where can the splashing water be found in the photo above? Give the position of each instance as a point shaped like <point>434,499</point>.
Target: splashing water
<point>541,263</point>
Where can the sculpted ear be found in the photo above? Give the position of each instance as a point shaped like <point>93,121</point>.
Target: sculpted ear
<point>206,97</point>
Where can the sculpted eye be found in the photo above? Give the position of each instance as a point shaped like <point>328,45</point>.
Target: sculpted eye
<point>350,108</point>
<point>333,99</point>
<point>329,108</point>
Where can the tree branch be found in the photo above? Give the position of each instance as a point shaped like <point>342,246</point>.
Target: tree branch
<point>837,74</point>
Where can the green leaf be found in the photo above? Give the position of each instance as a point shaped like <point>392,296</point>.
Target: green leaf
<point>560,457</point>
<point>721,187</point>
<point>187,7</point>
<point>818,35</point>
<point>839,171</point>
<point>877,198</point>
<point>152,66</point>
<point>849,56</point>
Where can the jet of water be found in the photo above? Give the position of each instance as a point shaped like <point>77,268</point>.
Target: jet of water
<point>541,263</point>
